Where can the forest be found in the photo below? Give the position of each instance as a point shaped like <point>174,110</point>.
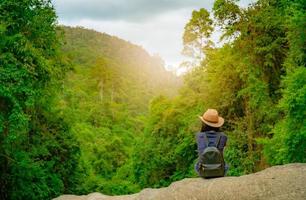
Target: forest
<point>83,111</point>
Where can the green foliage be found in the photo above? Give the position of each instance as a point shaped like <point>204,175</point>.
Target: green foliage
<point>105,101</point>
<point>197,33</point>
<point>37,151</point>
<point>165,153</point>
<point>288,143</point>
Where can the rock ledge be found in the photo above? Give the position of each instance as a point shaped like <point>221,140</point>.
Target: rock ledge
<point>284,182</point>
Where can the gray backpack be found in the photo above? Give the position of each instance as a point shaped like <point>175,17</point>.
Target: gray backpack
<point>211,160</point>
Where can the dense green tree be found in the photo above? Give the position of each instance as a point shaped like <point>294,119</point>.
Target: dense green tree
<point>288,137</point>
<point>197,34</point>
<point>37,151</point>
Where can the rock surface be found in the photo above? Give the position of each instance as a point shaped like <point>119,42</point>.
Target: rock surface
<point>276,183</point>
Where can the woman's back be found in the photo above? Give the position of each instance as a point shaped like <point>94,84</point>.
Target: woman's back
<point>211,143</point>
<point>210,138</point>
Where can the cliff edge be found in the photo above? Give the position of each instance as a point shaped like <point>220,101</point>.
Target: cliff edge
<point>284,182</point>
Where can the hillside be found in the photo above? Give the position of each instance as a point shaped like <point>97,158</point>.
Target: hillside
<point>105,100</point>
<point>276,183</point>
<point>88,47</point>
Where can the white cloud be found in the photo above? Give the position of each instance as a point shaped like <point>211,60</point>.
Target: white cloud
<point>128,10</point>
<point>159,33</point>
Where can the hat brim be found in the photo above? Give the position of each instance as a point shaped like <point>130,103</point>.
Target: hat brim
<point>216,125</point>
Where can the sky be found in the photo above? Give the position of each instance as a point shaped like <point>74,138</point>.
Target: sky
<point>156,25</point>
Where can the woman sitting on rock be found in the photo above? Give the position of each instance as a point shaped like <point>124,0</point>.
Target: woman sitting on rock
<point>211,143</point>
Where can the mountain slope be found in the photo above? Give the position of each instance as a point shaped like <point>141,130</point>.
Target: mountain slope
<point>105,100</point>
<point>276,183</point>
<point>87,47</point>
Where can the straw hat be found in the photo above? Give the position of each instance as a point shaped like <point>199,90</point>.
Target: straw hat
<point>211,118</point>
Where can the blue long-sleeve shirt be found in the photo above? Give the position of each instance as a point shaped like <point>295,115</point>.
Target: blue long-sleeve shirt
<point>211,136</point>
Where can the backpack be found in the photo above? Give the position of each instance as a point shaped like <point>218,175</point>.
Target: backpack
<point>211,160</point>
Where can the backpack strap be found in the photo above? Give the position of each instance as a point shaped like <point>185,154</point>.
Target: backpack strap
<point>218,140</point>
<point>206,141</point>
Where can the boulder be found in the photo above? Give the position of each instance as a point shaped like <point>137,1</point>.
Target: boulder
<point>284,182</point>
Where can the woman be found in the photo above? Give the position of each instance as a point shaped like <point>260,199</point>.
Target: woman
<point>211,143</point>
